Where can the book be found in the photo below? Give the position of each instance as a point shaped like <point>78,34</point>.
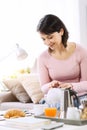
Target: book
<point>53,125</point>
<point>27,122</point>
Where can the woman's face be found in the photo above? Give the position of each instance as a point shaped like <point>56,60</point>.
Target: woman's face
<point>52,40</point>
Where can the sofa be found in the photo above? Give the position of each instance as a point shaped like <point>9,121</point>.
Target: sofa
<point>9,101</point>
<point>21,92</point>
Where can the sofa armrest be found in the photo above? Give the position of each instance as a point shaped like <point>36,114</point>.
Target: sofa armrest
<point>7,96</point>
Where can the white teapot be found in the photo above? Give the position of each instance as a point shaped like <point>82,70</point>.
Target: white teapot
<point>53,96</point>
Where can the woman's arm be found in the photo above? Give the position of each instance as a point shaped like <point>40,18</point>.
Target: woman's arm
<point>43,74</point>
<point>45,80</point>
<point>81,87</point>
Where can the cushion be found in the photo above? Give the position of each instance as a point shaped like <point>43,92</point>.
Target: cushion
<point>31,84</point>
<point>3,86</point>
<point>7,96</point>
<point>17,90</point>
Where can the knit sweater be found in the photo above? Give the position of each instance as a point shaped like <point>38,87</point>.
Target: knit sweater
<point>71,70</point>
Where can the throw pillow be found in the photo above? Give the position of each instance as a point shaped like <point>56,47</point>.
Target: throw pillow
<point>31,84</point>
<point>7,96</point>
<point>3,86</point>
<point>17,90</point>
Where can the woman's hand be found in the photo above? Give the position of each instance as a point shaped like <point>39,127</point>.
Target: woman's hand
<point>54,84</point>
<point>58,84</point>
<point>65,85</point>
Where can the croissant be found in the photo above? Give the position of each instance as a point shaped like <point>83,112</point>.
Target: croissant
<point>14,113</point>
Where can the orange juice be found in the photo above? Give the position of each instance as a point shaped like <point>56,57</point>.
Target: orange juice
<point>51,111</point>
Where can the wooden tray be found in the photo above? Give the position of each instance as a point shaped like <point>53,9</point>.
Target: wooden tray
<point>65,121</point>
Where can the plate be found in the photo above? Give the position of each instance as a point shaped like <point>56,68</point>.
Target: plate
<point>65,121</point>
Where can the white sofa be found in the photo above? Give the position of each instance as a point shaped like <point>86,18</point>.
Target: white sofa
<point>23,92</point>
<point>8,101</point>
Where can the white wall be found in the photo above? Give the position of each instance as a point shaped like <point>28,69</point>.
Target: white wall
<point>18,21</point>
<point>83,21</point>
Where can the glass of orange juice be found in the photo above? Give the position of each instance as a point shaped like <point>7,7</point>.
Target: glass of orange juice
<point>50,111</point>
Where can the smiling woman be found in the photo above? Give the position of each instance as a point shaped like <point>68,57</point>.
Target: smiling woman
<point>18,20</point>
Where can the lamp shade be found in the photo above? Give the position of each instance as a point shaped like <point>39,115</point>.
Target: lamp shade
<point>20,53</point>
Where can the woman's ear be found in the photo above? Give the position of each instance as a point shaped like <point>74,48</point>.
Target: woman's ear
<point>61,31</point>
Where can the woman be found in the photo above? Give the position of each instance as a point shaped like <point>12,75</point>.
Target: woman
<point>63,64</point>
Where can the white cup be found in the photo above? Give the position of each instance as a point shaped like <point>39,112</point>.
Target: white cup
<point>73,113</point>
<point>38,109</point>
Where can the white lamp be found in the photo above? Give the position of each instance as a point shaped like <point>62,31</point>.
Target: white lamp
<point>20,52</point>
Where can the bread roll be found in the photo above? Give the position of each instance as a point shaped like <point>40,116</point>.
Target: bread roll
<point>14,113</point>
<point>84,113</point>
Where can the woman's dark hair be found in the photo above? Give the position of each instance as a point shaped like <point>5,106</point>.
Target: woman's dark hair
<point>50,24</point>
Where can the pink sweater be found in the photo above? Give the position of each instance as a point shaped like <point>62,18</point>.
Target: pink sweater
<point>72,70</point>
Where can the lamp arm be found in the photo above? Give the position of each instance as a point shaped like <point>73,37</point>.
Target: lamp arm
<point>6,56</point>
<point>20,53</point>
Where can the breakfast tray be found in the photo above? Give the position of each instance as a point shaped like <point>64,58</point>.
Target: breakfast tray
<point>65,121</point>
